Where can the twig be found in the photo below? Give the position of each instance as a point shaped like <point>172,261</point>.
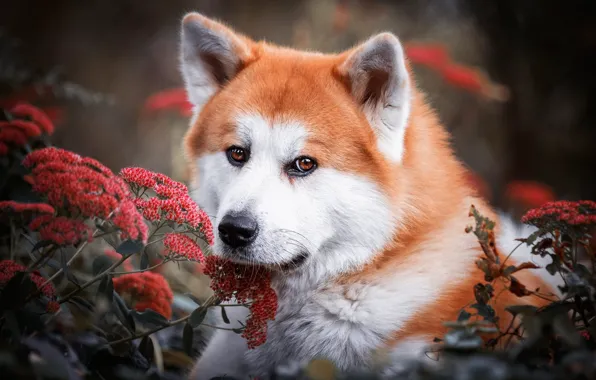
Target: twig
<point>211,301</point>
<point>141,270</point>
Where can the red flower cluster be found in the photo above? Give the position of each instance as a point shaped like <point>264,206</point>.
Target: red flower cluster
<point>9,268</point>
<point>436,57</point>
<point>147,290</point>
<point>172,202</point>
<point>27,111</point>
<point>245,284</point>
<point>529,194</point>
<point>61,230</point>
<point>174,99</point>
<point>580,213</point>
<point>180,245</point>
<point>85,187</point>
<point>26,122</point>
<point>20,207</point>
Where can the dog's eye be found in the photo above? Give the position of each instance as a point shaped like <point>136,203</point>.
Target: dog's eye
<point>236,155</point>
<point>302,166</point>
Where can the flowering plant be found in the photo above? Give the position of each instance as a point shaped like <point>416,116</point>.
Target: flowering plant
<point>57,205</point>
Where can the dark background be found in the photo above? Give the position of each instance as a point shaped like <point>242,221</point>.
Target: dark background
<point>544,52</point>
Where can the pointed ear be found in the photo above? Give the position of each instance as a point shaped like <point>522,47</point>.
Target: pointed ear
<point>211,54</point>
<point>377,76</point>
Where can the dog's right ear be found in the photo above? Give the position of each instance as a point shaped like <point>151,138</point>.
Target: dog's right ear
<point>211,54</point>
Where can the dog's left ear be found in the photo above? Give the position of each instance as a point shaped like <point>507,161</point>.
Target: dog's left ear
<point>378,79</point>
<point>211,54</point>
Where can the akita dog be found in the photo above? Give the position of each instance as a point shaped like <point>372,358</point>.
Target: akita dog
<point>334,172</point>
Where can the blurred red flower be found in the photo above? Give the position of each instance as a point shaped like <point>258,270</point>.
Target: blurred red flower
<point>146,290</point>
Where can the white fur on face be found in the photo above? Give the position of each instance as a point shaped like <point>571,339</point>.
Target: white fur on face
<point>339,219</point>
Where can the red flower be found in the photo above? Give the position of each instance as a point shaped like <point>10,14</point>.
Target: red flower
<point>431,55</point>
<point>529,194</point>
<point>9,268</point>
<point>27,111</point>
<point>580,213</point>
<point>61,230</point>
<point>11,136</point>
<point>19,207</point>
<point>85,187</point>
<point>139,176</point>
<point>131,223</point>
<point>174,99</point>
<point>245,283</point>
<point>147,290</point>
<point>28,128</point>
<point>3,149</point>
<point>180,245</point>
<point>172,202</point>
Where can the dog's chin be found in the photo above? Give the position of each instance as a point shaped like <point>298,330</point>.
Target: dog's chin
<point>244,257</point>
<point>293,265</point>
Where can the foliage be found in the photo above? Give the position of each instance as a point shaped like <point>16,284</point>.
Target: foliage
<point>101,322</point>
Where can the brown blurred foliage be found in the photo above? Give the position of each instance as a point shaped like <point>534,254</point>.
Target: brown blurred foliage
<point>543,56</point>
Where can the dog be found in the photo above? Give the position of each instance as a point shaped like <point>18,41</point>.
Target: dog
<point>334,172</point>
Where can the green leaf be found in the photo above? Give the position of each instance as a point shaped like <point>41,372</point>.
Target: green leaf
<point>224,316</point>
<point>532,238</point>
<point>146,348</point>
<point>187,339</point>
<point>144,260</point>
<point>41,244</point>
<point>483,293</point>
<point>123,312</point>
<point>82,303</point>
<point>150,318</point>
<point>485,311</point>
<point>510,269</point>
<point>128,247</point>
<point>106,288</point>
<point>463,316</point>
<point>197,316</point>
<point>101,264</point>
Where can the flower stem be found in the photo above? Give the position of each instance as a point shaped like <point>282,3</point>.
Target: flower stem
<point>95,279</point>
<point>211,301</point>
<point>141,270</point>
<point>99,276</point>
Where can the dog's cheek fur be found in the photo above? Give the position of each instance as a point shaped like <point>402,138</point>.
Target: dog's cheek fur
<point>359,214</point>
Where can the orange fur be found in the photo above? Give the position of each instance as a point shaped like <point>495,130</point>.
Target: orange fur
<point>284,84</point>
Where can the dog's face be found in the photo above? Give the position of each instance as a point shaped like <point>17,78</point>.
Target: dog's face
<point>294,154</point>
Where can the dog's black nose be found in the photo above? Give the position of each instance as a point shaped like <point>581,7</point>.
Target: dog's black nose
<point>237,230</point>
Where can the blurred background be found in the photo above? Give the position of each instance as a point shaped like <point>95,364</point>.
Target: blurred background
<point>513,80</point>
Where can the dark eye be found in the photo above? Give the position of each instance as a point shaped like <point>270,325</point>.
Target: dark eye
<point>302,166</point>
<point>236,155</point>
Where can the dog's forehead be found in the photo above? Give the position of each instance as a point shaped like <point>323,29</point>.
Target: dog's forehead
<point>282,138</point>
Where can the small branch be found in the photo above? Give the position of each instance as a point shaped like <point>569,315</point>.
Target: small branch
<point>141,270</point>
<point>217,327</point>
<point>510,253</point>
<point>47,253</point>
<point>104,273</point>
<point>95,279</point>
<point>211,301</point>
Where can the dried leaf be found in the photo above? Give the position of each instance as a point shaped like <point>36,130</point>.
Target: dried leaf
<point>518,288</point>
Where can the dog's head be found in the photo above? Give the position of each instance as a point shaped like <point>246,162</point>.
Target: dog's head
<point>295,154</point>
